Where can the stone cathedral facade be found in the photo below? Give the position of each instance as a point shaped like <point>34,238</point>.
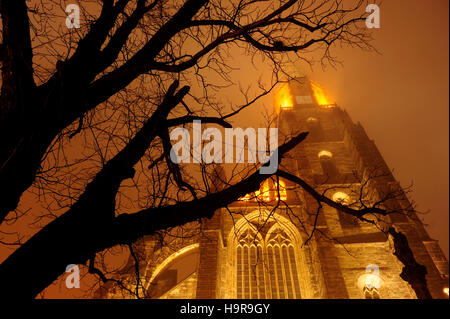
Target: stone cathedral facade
<point>263,246</point>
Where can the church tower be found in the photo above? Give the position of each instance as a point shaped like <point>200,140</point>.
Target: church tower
<point>280,243</point>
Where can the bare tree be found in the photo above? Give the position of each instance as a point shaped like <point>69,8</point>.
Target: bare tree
<point>85,115</point>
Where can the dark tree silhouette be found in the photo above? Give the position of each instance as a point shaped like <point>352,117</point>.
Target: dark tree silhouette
<point>85,114</point>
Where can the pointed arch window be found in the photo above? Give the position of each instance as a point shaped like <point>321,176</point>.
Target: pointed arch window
<point>173,270</point>
<point>346,220</point>
<point>283,271</point>
<point>250,278</point>
<point>370,283</point>
<point>328,164</point>
<point>371,293</point>
<point>266,268</point>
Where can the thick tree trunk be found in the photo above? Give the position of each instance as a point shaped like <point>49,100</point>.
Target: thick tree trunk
<point>18,170</point>
<point>18,114</point>
<point>70,239</point>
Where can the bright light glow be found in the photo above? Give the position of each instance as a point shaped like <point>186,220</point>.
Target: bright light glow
<point>325,154</point>
<point>282,191</point>
<point>245,198</point>
<point>283,98</point>
<point>369,281</point>
<point>445,290</point>
<point>340,197</point>
<point>267,193</point>
<point>372,281</point>
<point>320,96</point>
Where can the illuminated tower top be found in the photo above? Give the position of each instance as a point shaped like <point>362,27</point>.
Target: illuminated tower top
<point>301,92</point>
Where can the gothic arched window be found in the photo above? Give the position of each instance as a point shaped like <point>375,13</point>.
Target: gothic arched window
<point>371,293</point>
<point>370,282</point>
<point>266,268</point>
<point>174,270</point>
<point>316,132</point>
<point>328,164</point>
<point>282,264</point>
<point>346,220</point>
<point>250,273</point>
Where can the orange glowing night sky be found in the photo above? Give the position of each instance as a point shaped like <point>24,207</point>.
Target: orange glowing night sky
<point>401,97</point>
